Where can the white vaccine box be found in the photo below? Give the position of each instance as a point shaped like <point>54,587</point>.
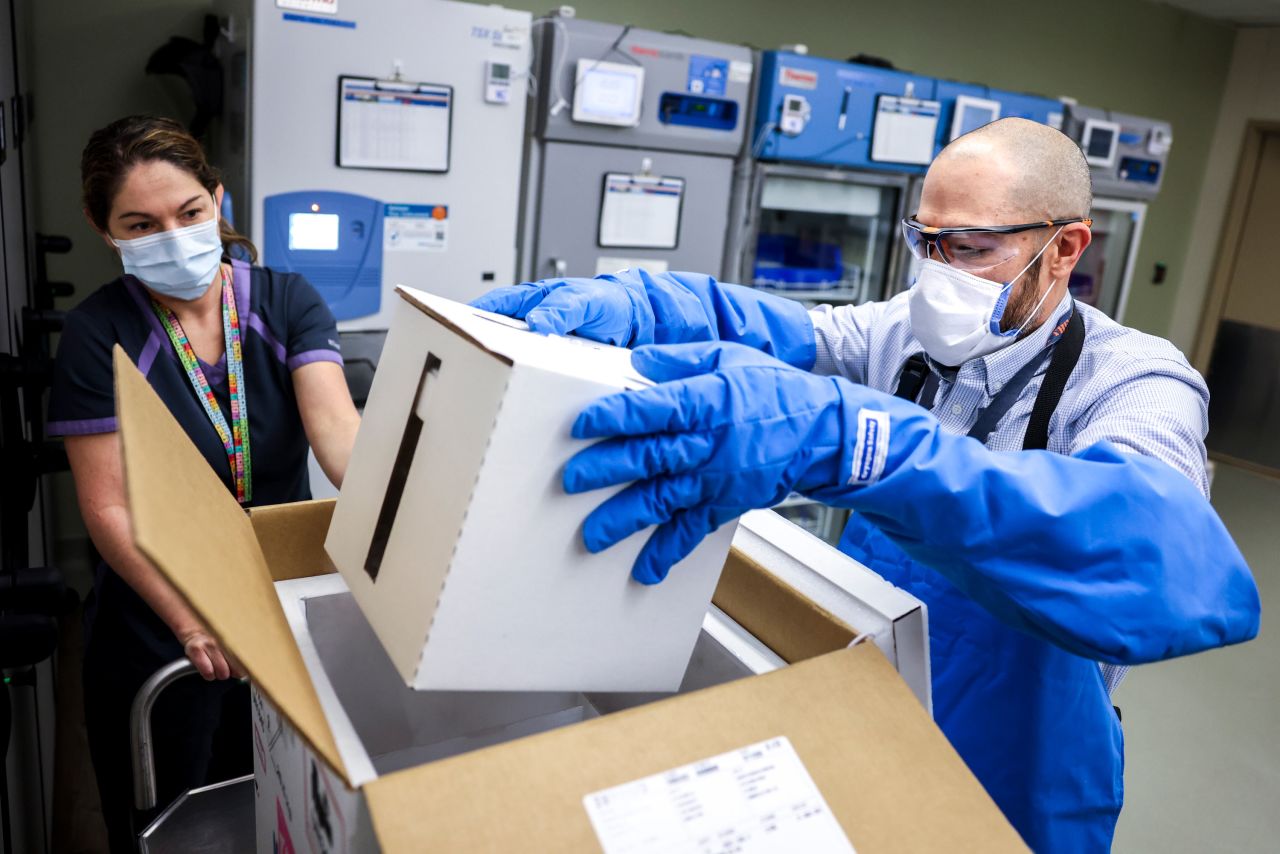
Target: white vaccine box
<point>456,537</point>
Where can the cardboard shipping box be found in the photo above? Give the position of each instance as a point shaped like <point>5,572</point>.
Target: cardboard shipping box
<point>841,731</point>
<point>381,726</point>
<point>457,539</point>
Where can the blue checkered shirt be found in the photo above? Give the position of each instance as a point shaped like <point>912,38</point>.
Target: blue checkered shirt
<point>1132,389</point>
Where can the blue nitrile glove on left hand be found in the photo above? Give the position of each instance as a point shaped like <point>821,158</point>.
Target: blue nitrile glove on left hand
<point>730,429</point>
<point>633,307</point>
<point>604,309</point>
<point>1112,556</point>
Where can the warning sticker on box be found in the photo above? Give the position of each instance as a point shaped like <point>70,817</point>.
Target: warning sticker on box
<point>415,228</point>
<point>758,799</point>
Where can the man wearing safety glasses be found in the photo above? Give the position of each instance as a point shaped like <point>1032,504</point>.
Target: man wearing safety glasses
<point>1029,468</point>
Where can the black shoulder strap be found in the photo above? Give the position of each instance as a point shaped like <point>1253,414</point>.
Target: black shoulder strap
<point>1066,353</point>
<point>918,382</point>
<point>990,415</point>
<point>912,379</point>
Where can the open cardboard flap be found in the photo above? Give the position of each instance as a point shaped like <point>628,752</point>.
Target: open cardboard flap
<point>794,627</point>
<point>888,774</point>
<point>291,537</point>
<point>217,565</point>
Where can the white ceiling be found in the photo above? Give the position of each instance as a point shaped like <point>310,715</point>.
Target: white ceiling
<point>1248,12</point>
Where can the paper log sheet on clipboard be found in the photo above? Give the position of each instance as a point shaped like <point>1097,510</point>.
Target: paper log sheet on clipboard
<point>387,124</point>
<point>905,130</point>
<point>640,211</point>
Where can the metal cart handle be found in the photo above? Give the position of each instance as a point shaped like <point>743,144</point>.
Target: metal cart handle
<point>144,764</point>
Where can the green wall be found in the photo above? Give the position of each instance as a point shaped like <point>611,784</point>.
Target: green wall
<point>1130,56</point>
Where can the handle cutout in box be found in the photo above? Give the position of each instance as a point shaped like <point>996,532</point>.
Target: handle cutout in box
<point>400,469</point>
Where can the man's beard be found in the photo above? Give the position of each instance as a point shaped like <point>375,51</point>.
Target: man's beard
<point>1022,301</point>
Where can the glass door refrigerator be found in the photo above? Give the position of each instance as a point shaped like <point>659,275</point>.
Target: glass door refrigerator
<point>824,235</point>
<point>821,235</point>
<point>819,195</point>
<point>1127,157</point>
<point>1104,273</point>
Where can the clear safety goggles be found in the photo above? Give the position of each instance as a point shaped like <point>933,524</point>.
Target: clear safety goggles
<point>972,247</point>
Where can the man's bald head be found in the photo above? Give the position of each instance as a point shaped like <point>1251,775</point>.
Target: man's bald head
<point>1011,172</point>
<point>1044,173</point>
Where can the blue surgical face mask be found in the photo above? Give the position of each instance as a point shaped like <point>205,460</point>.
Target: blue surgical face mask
<point>178,263</point>
<point>955,315</point>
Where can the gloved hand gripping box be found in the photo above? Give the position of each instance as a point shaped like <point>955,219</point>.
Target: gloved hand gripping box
<point>822,754</point>
<point>457,539</point>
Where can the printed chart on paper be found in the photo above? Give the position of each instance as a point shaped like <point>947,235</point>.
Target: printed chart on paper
<point>758,799</point>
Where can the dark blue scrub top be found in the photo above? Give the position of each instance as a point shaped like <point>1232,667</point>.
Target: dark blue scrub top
<point>284,324</point>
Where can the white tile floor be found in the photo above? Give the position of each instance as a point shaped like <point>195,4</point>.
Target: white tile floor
<point>1202,733</point>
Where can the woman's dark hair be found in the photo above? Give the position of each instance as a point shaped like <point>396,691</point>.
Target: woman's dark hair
<point>121,145</point>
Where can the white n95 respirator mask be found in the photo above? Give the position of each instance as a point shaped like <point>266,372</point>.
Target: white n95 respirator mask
<point>178,263</point>
<point>955,315</point>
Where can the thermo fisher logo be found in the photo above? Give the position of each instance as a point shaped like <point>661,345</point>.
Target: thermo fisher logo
<point>797,78</point>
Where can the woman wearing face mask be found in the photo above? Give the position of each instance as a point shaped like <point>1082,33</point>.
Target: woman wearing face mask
<point>247,361</point>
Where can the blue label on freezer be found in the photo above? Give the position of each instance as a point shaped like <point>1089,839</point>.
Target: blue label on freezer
<point>707,75</point>
<point>418,211</point>
<point>324,22</point>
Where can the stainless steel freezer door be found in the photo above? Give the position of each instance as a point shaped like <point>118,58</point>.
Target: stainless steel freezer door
<point>569,207</point>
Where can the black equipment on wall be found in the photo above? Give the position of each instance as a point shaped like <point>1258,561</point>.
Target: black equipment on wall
<point>32,598</point>
<point>198,67</point>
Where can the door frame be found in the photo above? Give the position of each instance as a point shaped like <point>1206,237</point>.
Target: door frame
<point>1215,300</point>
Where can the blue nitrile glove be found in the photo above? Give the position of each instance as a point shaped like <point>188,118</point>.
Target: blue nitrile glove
<point>1109,554</point>
<point>634,307</point>
<point>730,429</point>
<point>603,309</point>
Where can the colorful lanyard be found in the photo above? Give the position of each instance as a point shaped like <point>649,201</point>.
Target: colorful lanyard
<point>236,439</point>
